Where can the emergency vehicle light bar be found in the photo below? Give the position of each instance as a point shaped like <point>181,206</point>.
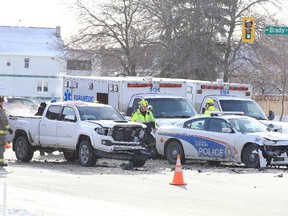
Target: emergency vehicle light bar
<point>239,88</point>
<point>211,87</point>
<point>139,85</point>
<point>170,85</point>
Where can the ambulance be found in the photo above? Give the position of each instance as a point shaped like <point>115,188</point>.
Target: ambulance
<point>166,96</point>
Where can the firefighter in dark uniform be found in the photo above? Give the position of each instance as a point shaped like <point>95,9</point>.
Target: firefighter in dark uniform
<point>4,128</point>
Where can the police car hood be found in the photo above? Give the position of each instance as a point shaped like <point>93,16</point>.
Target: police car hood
<point>282,126</point>
<point>167,121</point>
<point>274,136</point>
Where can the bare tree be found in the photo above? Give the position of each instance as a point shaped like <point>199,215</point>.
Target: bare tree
<point>115,31</point>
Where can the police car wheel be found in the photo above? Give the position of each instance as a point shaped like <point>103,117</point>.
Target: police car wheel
<point>172,150</point>
<point>250,156</point>
<point>87,157</point>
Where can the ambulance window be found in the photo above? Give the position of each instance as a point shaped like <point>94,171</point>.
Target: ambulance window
<point>136,103</point>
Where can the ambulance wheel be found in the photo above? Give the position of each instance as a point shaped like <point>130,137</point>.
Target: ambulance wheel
<point>23,149</point>
<point>250,156</point>
<point>172,150</point>
<point>87,157</point>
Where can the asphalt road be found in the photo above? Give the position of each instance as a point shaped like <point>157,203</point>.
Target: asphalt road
<point>49,185</point>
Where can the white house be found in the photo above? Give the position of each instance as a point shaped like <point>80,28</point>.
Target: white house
<point>30,64</point>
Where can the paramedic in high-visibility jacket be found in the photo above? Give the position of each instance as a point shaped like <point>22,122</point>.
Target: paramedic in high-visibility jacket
<point>145,116</point>
<point>210,107</point>
<point>4,128</point>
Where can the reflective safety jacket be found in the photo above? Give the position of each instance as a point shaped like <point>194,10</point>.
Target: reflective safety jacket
<point>209,110</point>
<point>4,124</point>
<point>146,118</point>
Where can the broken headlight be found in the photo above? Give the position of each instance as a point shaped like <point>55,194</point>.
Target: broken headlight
<point>104,131</point>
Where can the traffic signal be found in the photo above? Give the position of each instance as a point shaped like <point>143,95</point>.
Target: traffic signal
<point>248,29</point>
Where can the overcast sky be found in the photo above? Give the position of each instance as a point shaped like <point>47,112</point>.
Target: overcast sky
<point>51,13</point>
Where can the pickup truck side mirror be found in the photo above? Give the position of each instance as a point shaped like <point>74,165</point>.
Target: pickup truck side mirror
<point>70,118</point>
<point>271,115</point>
<point>129,111</point>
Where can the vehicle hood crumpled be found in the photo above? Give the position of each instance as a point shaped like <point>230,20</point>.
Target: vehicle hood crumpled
<point>111,123</point>
<point>275,136</point>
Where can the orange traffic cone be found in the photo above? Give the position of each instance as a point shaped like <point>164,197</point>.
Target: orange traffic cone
<point>7,145</point>
<point>178,175</point>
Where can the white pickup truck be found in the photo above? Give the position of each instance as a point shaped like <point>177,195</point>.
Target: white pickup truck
<point>80,130</point>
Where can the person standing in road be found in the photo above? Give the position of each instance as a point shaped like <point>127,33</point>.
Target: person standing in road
<point>210,107</point>
<point>145,116</point>
<point>4,128</point>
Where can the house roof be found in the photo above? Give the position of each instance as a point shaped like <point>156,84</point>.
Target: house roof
<point>29,41</point>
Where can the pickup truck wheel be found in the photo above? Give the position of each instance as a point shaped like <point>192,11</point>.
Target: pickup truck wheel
<point>70,155</point>
<point>250,156</point>
<point>138,162</point>
<point>87,157</point>
<point>23,149</point>
<point>172,150</point>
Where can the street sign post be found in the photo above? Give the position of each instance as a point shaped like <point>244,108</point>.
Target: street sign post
<point>280,30</point>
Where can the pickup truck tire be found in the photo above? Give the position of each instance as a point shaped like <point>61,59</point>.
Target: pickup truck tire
<point>87,157</point>
<point>172,150</point>
<point>250,156</point>
<point>23,149</point>
<point>70,155</point>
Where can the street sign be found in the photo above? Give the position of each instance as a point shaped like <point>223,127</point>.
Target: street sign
<point>276,30</point>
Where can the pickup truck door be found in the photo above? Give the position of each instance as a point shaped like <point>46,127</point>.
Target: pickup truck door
<point>67,128</point>
<point>48,125</point>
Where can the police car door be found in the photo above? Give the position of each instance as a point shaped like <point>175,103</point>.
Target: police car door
<point>220,145</point>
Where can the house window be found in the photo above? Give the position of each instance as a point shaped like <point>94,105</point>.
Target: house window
<point>26,62</point>
<point>42,86</point>
<point>8,63</point>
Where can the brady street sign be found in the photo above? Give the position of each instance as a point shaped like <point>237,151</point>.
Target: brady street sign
<point>276,30</point>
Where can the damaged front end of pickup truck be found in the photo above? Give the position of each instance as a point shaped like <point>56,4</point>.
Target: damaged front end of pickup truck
<point>122,140</point>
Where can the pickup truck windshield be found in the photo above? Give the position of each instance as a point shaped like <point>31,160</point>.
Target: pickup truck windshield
<point>250,108</point>
<point>171,108</point>
<point>99,113</point>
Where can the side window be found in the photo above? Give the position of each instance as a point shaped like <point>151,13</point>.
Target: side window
<point>53,112</point>
<point>198,124</point>
<point>216,125</point>
<point>68,114</point>
<point>216,104</point>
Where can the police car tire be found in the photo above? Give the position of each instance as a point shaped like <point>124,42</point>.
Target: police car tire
<point>23,149</point>
<point>87,158</point>
<point>249,158</point>
<point>172,150</point>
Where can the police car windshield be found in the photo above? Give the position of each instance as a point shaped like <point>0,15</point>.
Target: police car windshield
<point>99,113</point>
<point>250,108</point>
<point>248,125</point>
<point>171,108</point>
